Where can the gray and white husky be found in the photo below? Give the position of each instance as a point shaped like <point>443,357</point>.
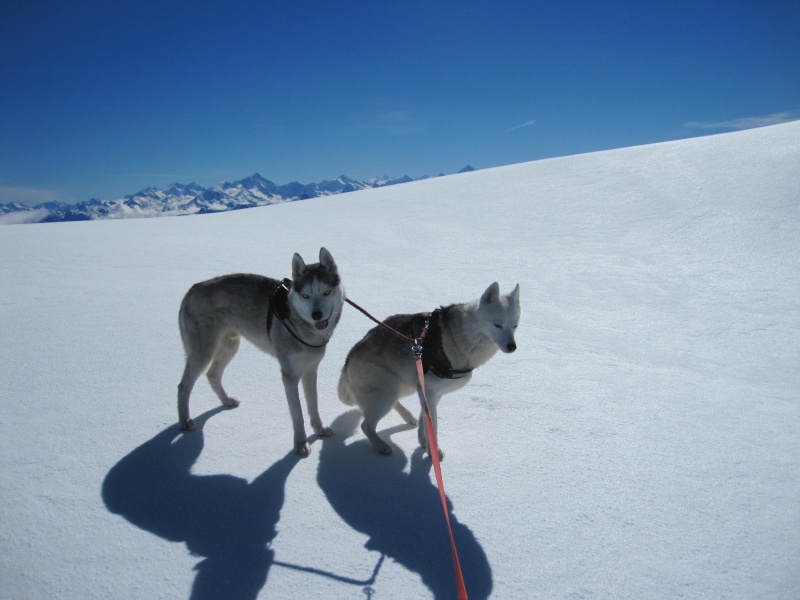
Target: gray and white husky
<point>381,367</point>
<point>290,320</point>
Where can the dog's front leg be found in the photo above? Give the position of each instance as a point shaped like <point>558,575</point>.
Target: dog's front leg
<point>310,391</point>
<point>290,383</point>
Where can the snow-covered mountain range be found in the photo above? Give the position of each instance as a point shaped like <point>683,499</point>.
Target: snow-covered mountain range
<point>180,199</point>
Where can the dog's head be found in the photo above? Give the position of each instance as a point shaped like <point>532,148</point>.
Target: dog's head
<point>500,316</point>
<point>316,291</point>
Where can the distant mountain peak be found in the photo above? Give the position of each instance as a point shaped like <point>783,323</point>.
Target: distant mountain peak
<point>467,169</point>
<point>187,199</point>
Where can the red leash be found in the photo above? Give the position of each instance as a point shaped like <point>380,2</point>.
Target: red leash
<point>433,446</point>
<point>381,323</point>
<point>433,450</point>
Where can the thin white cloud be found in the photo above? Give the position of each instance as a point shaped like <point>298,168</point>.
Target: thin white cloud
<point>145,175</point>
<point>747,122</point>
<point>522,125</point>
<point>29,195</point>
<point>393,122</point>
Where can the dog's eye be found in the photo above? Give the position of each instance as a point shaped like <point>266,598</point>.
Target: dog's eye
<point>327,292</point>
<point>498,325</point>
<point>305,296</point>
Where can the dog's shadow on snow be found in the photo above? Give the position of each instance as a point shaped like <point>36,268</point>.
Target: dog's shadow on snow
<point>231,523</point>
<point>400,511</point>
<point>223,518</point>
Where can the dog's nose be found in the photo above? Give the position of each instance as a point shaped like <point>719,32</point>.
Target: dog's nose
<point>511,346</point>
<point>316,315</point>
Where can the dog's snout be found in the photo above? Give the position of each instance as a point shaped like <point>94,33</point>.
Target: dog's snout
<point>316,315</point>
<point>511,346</point>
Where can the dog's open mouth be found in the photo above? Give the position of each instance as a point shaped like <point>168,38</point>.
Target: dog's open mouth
<point>321,325</point>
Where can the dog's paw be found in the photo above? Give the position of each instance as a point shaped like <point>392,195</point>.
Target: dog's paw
<point>188,425</point>
<point>405,414</point>
<point>323,431</point>
<point>410,419</point>
<point>384,449</point>
<point>302,449</point>
<point>231,402</point>
<point>428,451</point>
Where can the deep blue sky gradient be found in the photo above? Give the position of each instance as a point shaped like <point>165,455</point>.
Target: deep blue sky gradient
<point>104,98</point>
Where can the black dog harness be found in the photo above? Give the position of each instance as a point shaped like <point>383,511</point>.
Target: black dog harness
<point>279,305</point>
<point>433,357</point>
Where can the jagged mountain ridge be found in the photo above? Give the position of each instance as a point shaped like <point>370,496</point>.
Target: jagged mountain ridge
<point>189,199</point>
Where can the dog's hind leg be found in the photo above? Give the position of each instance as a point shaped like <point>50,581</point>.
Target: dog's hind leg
<point>226,350</point>
<point>375,408</point>
<point>200,345</point>
<point>405,413</point>
<point>195,365</point>
<point>184,391</point>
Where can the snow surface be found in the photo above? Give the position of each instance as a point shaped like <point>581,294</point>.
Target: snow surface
<point>643,441</point>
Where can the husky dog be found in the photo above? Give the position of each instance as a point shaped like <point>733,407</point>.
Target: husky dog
<point>381,368</point>
<point>290,320</point>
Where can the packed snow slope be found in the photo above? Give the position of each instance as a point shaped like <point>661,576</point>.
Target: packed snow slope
<point>642,442</point>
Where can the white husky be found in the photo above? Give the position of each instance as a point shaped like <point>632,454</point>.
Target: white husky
<point>381,367</point>
<point>290,320</point>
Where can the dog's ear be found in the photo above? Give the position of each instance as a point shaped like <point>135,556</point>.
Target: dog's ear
<point>491,294</point>
<point>326,260</point>
<point>514,295</point>
<point>298,266</point>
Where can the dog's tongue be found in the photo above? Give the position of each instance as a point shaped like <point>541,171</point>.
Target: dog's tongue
<point>321,325</point>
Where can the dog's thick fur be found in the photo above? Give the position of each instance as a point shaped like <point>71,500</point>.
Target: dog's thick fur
<point>380,368</point>
<point>217,313</point>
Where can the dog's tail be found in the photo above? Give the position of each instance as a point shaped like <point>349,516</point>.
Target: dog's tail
<point>182,325</point>
<point>345,394</point>
<point>188,333</point>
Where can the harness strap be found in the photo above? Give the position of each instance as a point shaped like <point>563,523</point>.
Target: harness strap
<point>279,302</point>
<point>434,358</point>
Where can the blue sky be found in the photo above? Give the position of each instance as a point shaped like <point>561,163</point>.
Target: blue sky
<point>104,98</point>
